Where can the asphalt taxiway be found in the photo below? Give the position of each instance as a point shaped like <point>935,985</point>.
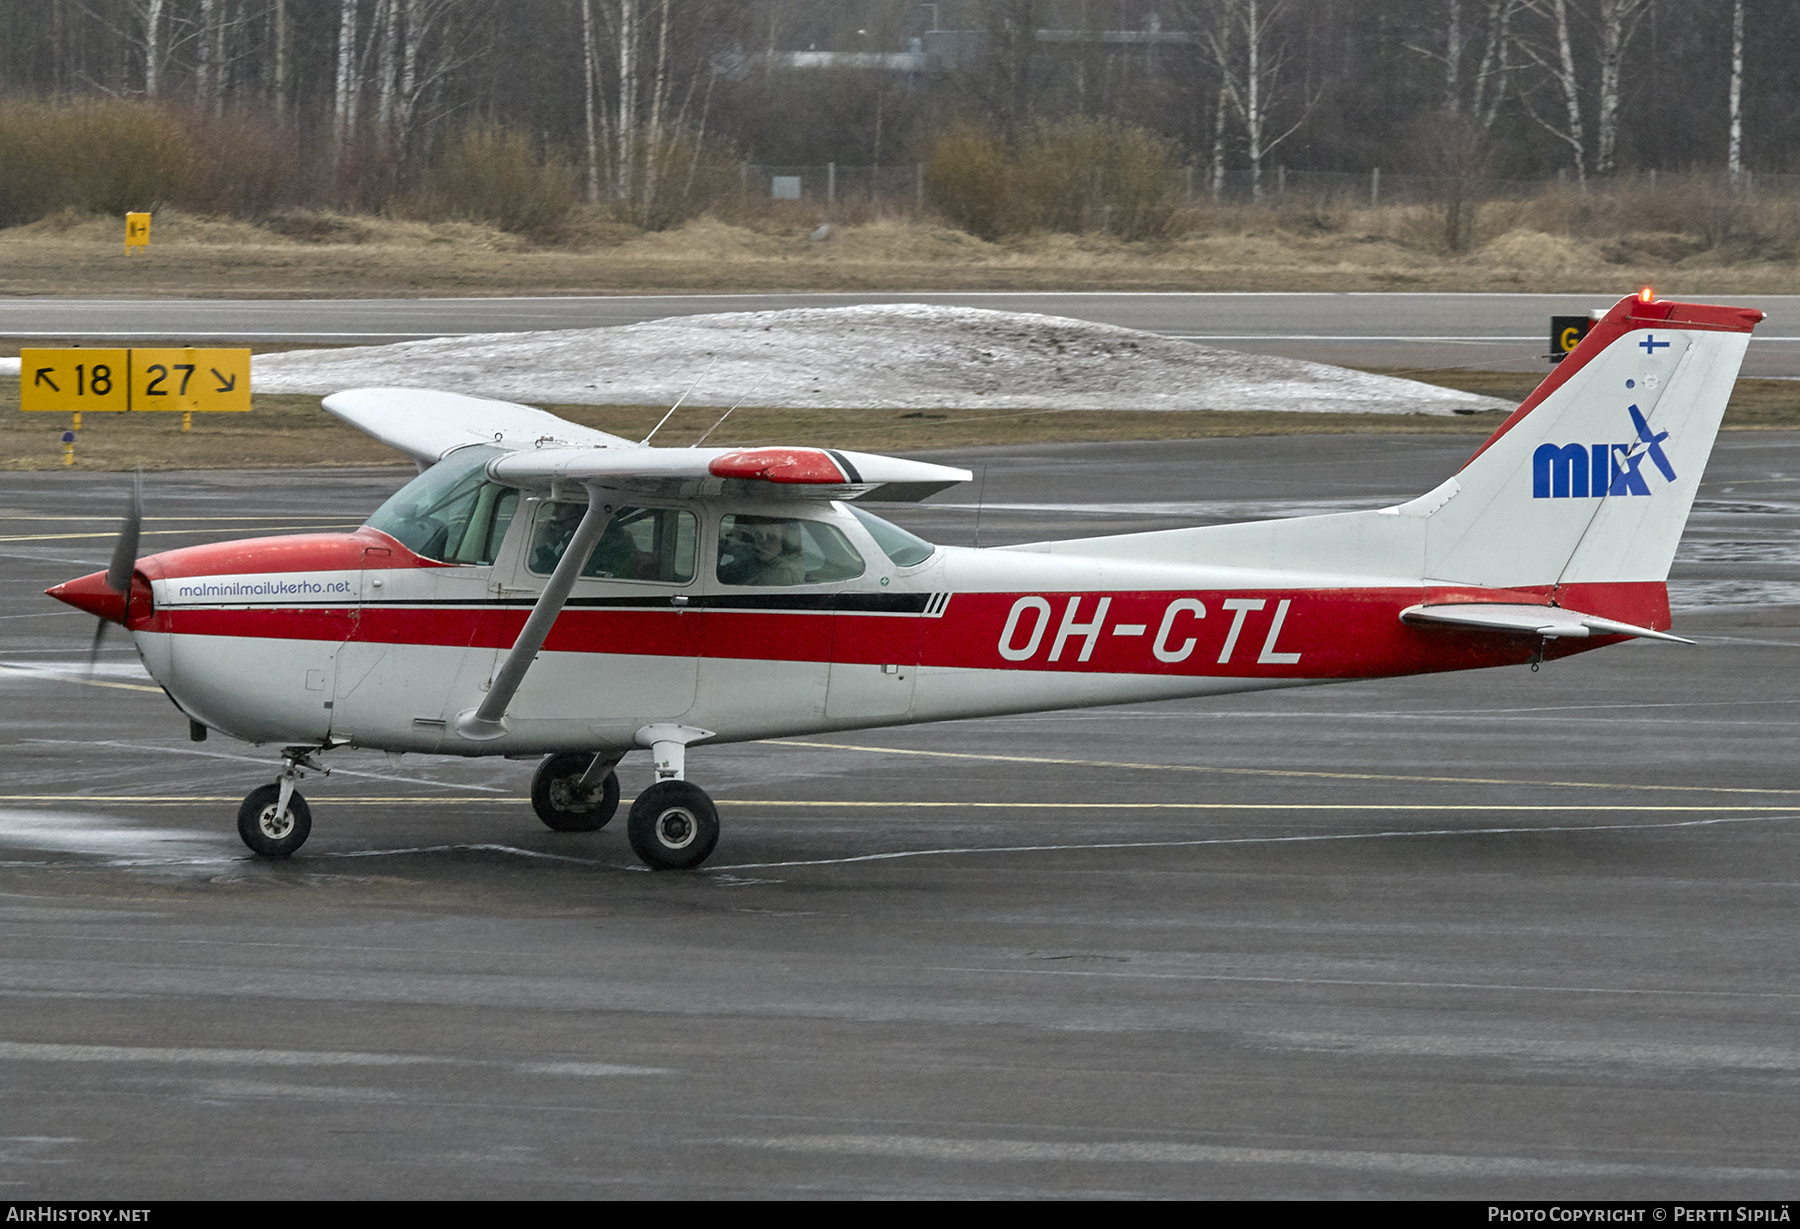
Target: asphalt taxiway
<point>1493,332</point>
<point>1504,934</point>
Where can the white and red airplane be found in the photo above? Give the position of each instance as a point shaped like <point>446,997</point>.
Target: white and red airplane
<point>542,589</point>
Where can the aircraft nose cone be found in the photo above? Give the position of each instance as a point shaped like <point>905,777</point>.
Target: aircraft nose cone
<point>90,593</point>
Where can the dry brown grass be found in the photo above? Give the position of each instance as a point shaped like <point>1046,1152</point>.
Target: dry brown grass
<point>1295,247</point>
<point>292,431</point>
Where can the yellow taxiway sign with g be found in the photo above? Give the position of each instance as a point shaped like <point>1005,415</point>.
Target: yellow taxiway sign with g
<point>70,381</point>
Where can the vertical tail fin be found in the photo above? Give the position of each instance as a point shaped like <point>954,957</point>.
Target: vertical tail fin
<point>1591,480</point>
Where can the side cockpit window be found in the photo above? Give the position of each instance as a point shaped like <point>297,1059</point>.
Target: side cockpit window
<point>781,550</point>
<point>656,544</point>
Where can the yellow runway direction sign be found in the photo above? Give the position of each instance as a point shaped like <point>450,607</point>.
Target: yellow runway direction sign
<point>137,230</point>
<point>192,381</point>
<point>70,381</point>
<point>198,380</point>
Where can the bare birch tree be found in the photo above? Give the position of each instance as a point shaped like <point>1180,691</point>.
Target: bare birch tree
<point>281,48</point>
<point>1252,76</point>
<point>344,88</point>
<point>387,21</point>
<point>594,113</point>
<point>1491,78</point>
<point>206,70</point>
<point>1561,69</point>
<point>1734,150</point>
<point>658,98</point>
<point>150,13</point>
<point>1618,22</point>
<point>1481,97</point>
<point>627,34</point>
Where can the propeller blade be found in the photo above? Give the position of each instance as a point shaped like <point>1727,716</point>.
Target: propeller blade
<point>124,556</point>
<point>94,649</point>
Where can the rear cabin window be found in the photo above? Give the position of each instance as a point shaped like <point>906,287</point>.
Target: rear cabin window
<point>451,512</point>
<point>656,544</point>
<point>781,550</point>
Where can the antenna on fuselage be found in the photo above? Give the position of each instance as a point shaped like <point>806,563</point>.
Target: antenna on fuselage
<point>680,399</point>
<point>727,414</point>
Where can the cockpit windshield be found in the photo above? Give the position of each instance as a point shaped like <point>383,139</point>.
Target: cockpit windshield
<point>451,512</point>
<point>903,548</point>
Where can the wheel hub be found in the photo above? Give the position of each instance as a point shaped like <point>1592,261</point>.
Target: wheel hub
<point>566,795</point>
<point>275,824</point>
<point>676,828</point>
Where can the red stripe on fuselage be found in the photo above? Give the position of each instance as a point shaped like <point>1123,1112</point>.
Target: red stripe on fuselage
<point>1335,633</point>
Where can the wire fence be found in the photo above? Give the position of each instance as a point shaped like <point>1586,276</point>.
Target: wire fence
<point>905,187</point>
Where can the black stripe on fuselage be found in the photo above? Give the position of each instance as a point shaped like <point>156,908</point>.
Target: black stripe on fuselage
<point>854,603</point>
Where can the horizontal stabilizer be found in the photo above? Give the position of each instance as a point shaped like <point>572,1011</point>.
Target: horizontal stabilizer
<point>1550,622</point>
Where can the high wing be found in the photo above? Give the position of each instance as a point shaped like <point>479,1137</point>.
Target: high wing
<point>543,450</point>
<point>427,425</point>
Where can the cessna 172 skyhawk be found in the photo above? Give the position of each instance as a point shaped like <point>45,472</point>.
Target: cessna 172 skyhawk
<point>542,589</point>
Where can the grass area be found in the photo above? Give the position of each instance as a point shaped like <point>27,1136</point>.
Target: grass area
<point>1293,250</point>
<point>292,431</point>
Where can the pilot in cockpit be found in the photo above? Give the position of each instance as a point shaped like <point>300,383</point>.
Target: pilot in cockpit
<point>763,550</point>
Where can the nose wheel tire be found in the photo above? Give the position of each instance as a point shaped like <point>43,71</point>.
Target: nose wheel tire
<point>559,800</point>
<point>271,832</point>
<point>673,826</point>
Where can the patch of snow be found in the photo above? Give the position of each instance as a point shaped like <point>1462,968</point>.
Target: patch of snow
<point>9,366</point>
<point>901,356</point>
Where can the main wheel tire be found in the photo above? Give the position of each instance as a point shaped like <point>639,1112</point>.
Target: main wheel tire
<point>559,800</point>
<point>272,834</point>
<point>673,826</point>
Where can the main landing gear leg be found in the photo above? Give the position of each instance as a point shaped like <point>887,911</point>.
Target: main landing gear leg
<point>673,824</point>
<point>274,819</point>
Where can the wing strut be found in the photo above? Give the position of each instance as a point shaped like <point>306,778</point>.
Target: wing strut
<point>488,721</point>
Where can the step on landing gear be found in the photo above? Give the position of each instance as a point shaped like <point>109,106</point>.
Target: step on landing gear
<point>673,825</point>
<point>575,792</point>
<point>274,819</point>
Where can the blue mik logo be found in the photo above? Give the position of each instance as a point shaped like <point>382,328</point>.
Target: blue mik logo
<point>1574,471</point>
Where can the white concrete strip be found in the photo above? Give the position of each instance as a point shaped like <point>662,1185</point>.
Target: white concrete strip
<point>61,1052</point>
<point>1310,838</point>
<point>1156,1152</point>
<point>1633,1052</point>
<point>1261,772</point>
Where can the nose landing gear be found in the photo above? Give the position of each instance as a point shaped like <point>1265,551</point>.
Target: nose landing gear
<point>274,819</point>
<point>673,824</point>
